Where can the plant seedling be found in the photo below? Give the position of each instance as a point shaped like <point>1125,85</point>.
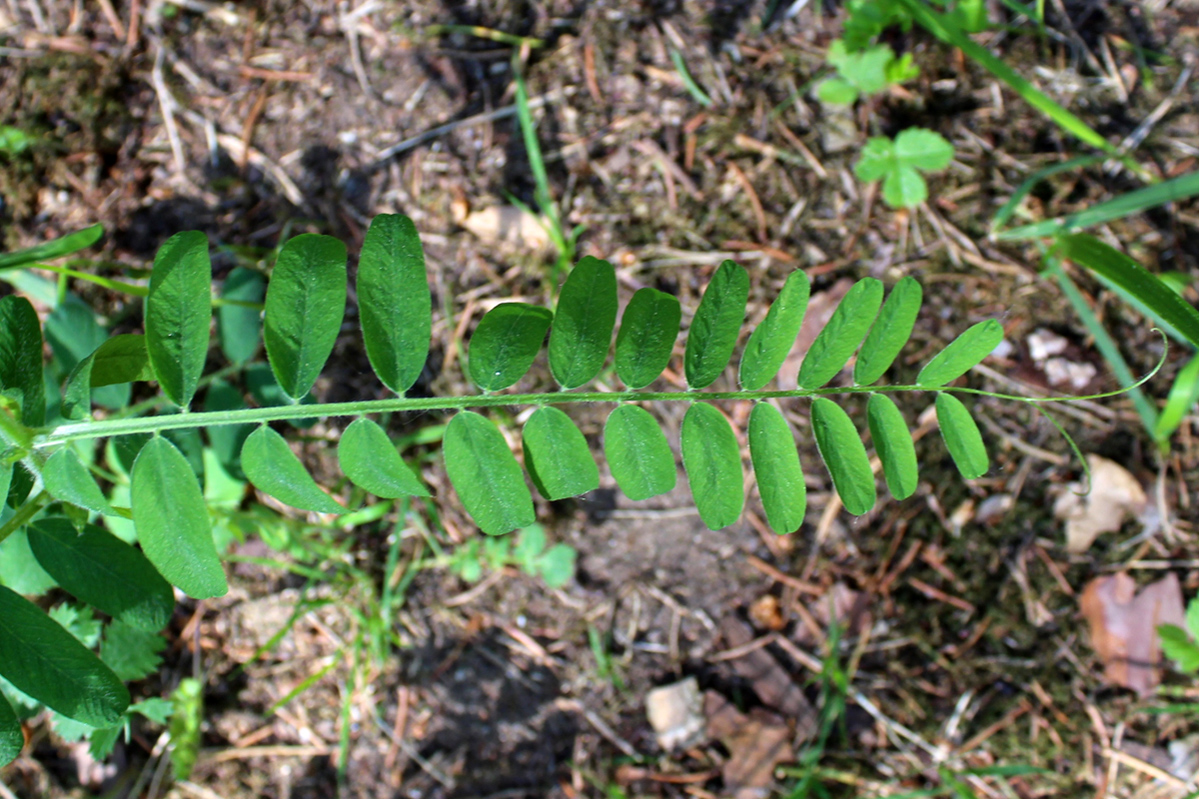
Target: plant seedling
<point>865,72</point>
<point>899,163</point>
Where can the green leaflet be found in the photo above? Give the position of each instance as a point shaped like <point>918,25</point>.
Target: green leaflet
<point>844,455</point>
<point>172,520</point>
<point>12,738</point>
<point>648,331</point>
<point>769,344</point>
<point>67,479</point>
<point>963,354</point>
<point>1184,393</point>
<point>637,453</point>
<point>583,323</point>
<point>98,568</point>
<point>557,456</point>
<point>713,463</point>
<point>21,358</point>
<point>776,464</point>
<point>893,444</point>
<point>394,302</point>
<point>273,468</point>
<point>505,343</point>
<point>120,359</point>
<point>63,245</point>
<point>961,436</point>
<point>240,328</point>
<point>178,314</point>
<point>45,661</point>
<point>715,326</point>
<point>368,457</point>
<point>486,475</point>
<point>890,332</point>
<point>842,335</point>
<point>305,303</point>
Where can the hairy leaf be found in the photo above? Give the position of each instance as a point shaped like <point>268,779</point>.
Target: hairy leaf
<point>557,456</point>
<point>172,520</point>
<point>842,335</point>
<point>505,343</point>
<point>893,444</point>
<point>962,438</point>
<point>120,359</point>
<point>714,328</point>
<point>963,354</point>
<point>844,455</point>
<point>638,454</point>
<point>67,479</point>
<point>776,464</point>
<point>713,463</point>
<point>583,323</point>
<point>274,469</point>
<point>890,332</point>
<point>45,661</point>
<point>12,738</point>
<point>648,331</point>
<point>368,457</point>
<point>21,358</point>
<point>130,651</point>
<point>486,475</point>
<point>178,314</point>
<point>98,568</point>
<point>394,301</point>
<point>239,327</point>
<point>769,344</point>
<point>305,303</point>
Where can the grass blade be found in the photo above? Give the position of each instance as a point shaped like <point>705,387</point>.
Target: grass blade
<point>1183,396</point>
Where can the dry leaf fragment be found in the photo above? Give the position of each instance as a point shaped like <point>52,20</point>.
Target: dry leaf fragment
<point>1124,626</point>
<point>757,743</point>
<point>1114,494</point>
<point>508,224</point>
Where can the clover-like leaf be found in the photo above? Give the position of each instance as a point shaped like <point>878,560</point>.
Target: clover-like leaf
<point>274,469</point>
<point>368,457</point>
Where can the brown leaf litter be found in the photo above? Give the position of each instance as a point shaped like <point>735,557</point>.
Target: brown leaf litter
<point>1124,625</point>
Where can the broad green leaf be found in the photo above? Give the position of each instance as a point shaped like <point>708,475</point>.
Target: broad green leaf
<point>890,332</point>
<point>305,303</point>
<point>842,335</point>
<point>713,463</point>
<point>715,326</point>
<point>45,661</point>
<point>120,359</point>
<point>583,323</point>
<point>646,339</point>
<point>904,187</point>
<point>226,439</point>
<point>172,521</point>
<point>96,567</point>
<point>64,245</point>
<point>1175,644</point>
<point>394,302</point>
<point>74,332</point>
<point>19,569</point>
<point>486,475</point>
<point>844,455</point>
<point>12,738</point>
<point>638,454</point>
<point>963,354</point>
<point>240,328</point>
<point>505,343</point>
<point>776,464</point>
<point>923,149</point>
<point>769,344</point>
<point>962,438</point>
<point>67,479</point>
<point>21,358</point>
<point>557,456</point>
<point>893,444</point>
<point>274,469</point>
<point>368,457</point>
<point>178,314</point>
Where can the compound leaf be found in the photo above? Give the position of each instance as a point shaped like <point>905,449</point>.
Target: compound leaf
<point>961,436</point>
<point>21,358</point>
<point>120,359</point>
<point>648,331</point>
<point>12,738</point>
<point>844,455</point>
<point>178,314</point>
<point>776,464</point>
<point>714,328</point>
<point>769,344</point>
<point>305,303</point>
<point>893,444</point>
<point>172,520</point>
<point>505,343</point>
<point>67,479</point>
<point>273,468</point>
<point>583,323</point>
<point>45,661</point>
<point>713,463</point>
<point>368,457</point>
<point>98,568</point>
<point>240,328</point>
<point>394,302</point>
<point>963,354</point>
<point>557,456</point>
<point>486,475</point>
<point>842,335</point>
<point>890,332</point>
<point>638,454</point>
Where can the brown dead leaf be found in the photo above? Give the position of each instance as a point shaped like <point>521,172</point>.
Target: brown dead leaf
<point>510,225</point>
<point>773,684</point>
<point>767,614</point>
<point>1114,495</point>
<point>757,743</point>
<point>1124,626</point>
<point>820,310</point>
